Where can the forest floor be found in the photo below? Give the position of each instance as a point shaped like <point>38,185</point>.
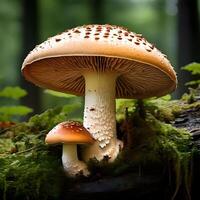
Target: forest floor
<point>160,159</point>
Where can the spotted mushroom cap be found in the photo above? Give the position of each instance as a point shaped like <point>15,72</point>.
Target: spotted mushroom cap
<point>71,132</point>
<point>59,63</point>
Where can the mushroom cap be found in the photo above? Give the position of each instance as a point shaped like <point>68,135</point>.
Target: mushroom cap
<point>60,62</point>
<point>71,132</point>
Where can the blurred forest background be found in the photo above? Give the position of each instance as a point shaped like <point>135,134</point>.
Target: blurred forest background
<point>172,25</point>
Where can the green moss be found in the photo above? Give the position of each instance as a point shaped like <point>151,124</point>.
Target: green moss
<point>36,174</point>
<point>154,140</point>
<point>166,110</point>
<point>5,146</point>
<point>154,144</point>
<point>33,170</point>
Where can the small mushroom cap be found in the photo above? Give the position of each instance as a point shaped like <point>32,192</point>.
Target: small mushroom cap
<point>71,132</point>
<point>60,62</point>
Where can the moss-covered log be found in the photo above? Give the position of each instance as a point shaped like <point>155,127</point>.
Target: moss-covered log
<point>160,159</point>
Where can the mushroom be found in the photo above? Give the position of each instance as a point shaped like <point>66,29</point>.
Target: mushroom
<point>102,62</point>
<point>70,133</point>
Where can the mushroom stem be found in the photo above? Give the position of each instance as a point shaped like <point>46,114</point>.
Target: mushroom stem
<point>99,115</point>
<point>72,166</point>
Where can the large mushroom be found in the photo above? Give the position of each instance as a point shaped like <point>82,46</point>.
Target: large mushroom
<point>102,62</point>
<point>70,133</point>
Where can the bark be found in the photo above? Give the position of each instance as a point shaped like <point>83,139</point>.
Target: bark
<point>190,120</point>
<point>188,39</point>
<point>29,41</point>
<point>129,186</point>
<point>97,14</point>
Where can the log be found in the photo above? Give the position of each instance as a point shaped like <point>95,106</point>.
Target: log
<point>130,185</point>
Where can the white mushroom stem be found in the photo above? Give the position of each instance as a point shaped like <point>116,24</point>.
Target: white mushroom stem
<point>99,115</point>
<point>71,164</point>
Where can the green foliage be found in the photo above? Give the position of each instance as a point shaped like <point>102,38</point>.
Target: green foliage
<point>194,68</point>
<point>13,92</point>
<point>122,105</point>
<point>166,97</point>
<point>9,113</point>
<point>48,119</point>
<point>192,83</point>
<point>59,94</point>
<point>72,104</point>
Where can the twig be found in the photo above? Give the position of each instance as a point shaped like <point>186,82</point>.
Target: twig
<point>20,152</point>
<point>6,129</point>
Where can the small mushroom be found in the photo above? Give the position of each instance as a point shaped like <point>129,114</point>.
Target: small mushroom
<point>70,133</point>
<point>101,69</point>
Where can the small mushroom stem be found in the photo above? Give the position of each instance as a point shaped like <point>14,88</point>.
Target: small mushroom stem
<point>72,166</point>
<point>100,116</point>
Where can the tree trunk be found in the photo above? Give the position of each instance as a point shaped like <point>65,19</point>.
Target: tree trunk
<point>97,15</point>
<point>188,39</point>
<point>29,41</point>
